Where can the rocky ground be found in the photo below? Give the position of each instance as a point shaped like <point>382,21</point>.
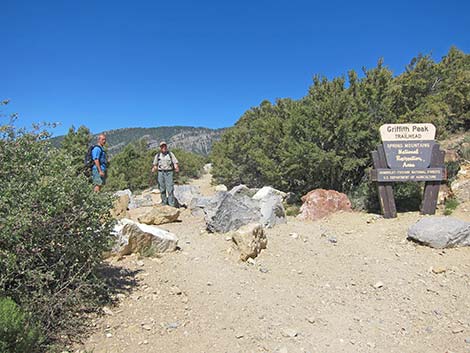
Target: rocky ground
<point>348,283</point>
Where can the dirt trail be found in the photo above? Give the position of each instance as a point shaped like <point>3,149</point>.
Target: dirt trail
<point>349,283</point>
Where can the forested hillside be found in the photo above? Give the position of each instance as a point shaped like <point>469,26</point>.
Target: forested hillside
<point>324,139</point>
<point>193,139</point>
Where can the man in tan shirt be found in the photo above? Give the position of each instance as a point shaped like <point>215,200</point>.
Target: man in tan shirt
<point>165,163</point>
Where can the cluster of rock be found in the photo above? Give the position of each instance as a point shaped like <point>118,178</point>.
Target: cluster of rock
<point>230,210</point>
<point>142,236</point>
<point>244,212</point>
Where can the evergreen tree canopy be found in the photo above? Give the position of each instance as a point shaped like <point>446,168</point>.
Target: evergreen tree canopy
<point>324,139</point>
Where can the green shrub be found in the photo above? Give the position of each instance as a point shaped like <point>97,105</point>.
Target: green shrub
<point>53,231</point>
<point>464,149</point>
<point>452,170</point>
<point>17,333</point>
<point>408,196</point>
<point>292,210</point>
<point>364,197</point>
<point>450,206</point>
<point>191,165</point>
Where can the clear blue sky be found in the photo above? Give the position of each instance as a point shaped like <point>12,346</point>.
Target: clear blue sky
<point>109,64</point>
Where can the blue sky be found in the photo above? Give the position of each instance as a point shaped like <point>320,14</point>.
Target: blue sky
<point>110,64</point>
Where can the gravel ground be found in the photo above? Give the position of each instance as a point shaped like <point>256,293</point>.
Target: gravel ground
<point>349,283</point>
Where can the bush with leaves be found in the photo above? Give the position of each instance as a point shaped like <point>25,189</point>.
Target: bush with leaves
<point>53,231</point>
<point>17,333</point>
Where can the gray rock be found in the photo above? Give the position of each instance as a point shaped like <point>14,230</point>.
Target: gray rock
<point>185,194</point>
<point>220,187</point>
<point>242,190</point>
<point>207,168</point>
<point>332,240</point>
<point>141,201</point>
<point>226,212</point>
<point>133,237</point>
<point>440,232</point>
<point>123,192</point>
<point>198,204</point>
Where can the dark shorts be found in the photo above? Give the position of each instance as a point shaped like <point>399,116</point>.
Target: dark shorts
<point>96,178</point>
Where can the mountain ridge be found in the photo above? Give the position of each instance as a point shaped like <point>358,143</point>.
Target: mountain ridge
<point>193,139</point>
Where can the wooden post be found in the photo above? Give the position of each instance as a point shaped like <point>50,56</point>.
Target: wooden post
<point>387,200</point>
<point>431,188</point>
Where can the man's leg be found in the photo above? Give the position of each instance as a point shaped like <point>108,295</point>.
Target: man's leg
<point>162,187</point>
<point>97,180</point>
<point>170,189</point>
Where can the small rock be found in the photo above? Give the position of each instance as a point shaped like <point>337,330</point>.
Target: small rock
<point>311,320</point>
<point>251,261</point>
<point>289,332</point>
<point>173,325</point>
<point>263,270</point>
<point>378,285</point>
<point>294,235</point>
<point>467,340</point>
<point>209,284</point>
<point>332,240</point>
<point>108,311</point>
<point>438,270</point>
<point>176,290</point>
<point>146,327</point>
<point>239,335</point>
<point>140,263</point>
<point>109,335</point>
<point>457,330</point>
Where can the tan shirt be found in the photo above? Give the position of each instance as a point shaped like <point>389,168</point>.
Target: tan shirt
<point>164,162</point>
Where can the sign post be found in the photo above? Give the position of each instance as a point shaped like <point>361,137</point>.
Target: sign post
<point>408,153</point>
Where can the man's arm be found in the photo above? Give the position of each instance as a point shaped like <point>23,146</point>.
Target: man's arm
<point>98,166</point>
<point>175,162</point>
<point>155,163</point>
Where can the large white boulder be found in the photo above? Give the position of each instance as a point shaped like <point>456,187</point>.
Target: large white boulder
<point>133,237</point>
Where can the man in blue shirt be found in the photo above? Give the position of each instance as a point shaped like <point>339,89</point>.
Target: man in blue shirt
<point>98,171</point>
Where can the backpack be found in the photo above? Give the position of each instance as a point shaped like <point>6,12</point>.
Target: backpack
<point>89,162</point>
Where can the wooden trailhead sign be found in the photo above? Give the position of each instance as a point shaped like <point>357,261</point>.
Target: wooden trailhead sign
<point>408,153</point>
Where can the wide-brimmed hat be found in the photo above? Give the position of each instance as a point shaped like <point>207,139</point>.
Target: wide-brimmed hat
<point>162,143</point>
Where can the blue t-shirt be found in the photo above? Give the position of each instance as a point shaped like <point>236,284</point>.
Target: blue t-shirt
<point>98,153</point>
